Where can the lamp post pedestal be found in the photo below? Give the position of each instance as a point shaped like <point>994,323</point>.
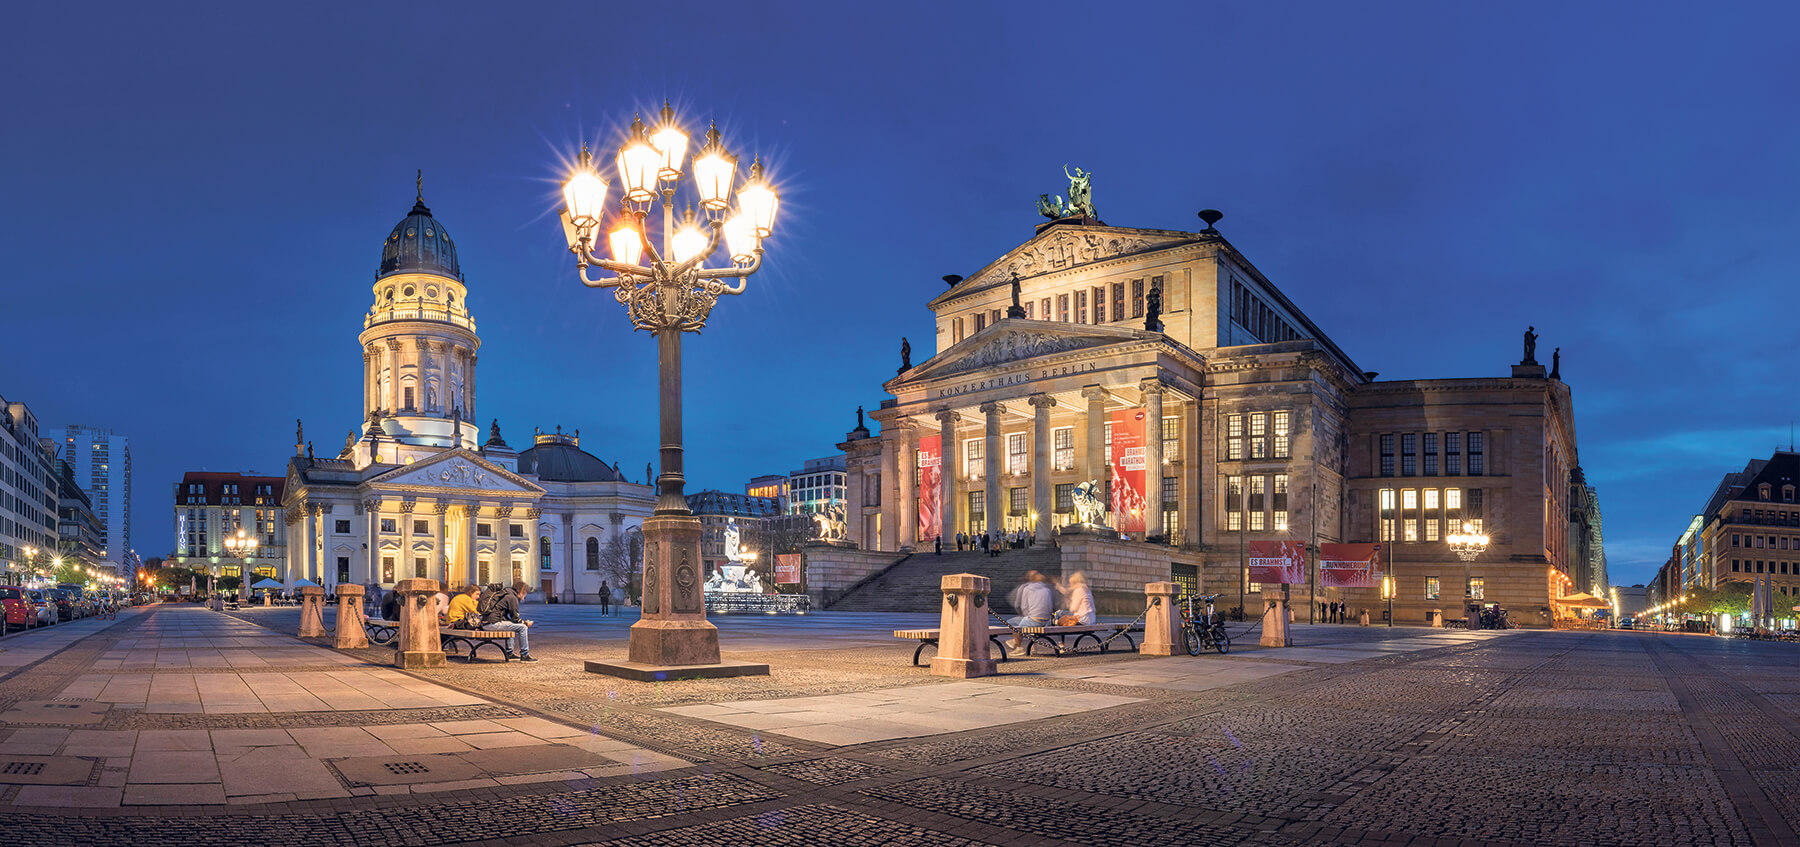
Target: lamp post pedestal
<point>673,629</point>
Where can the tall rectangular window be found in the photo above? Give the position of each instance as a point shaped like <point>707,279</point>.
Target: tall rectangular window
<point>1118,310</point>
<point>1171,439</point>
<point>1386,515</point>
<point>1015,453</point>
<point>1259,435</point>
<point>1016,506</point>
<point>1283,434</point>
<point>1106,437</point>
<point>1409,514</point>
<point>1280,502</point>
<point>1475,463</point>
<point>1030,309</point>
<point>1259,485</point>
<point>1099,304</point>
<point>977,511</point>
<point>1234,502</point>
<point>1472,510</point>
<point>1171,506</point>
<point>387,569</point>
<point>980,321</point>
<point>974,458</point>
<point>1432,588</point>
<point>1453,454</point>
<point>1045,312</point>
<point>1063,454</point>
<point>1081,306</point>
<point>1387,455</point>
<point>1234,437</point>
<point>1431,514</point>
<point>1064,496</point>
<point>1137,298</point>
<point>1409,455</point>
<point>1062,307</point>
<point>1478,588</point>
<point>1431,453</point>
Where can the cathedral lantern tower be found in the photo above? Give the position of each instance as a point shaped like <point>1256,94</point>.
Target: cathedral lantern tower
<point>419,347</point>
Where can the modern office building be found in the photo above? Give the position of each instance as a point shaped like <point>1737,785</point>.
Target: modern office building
<point>101,461</point>
<point>80,537</point>
<point>28,497</point>
<point>773,486</point>
<point>1750,528</point>
<point>717,510</point>
<point>819,483</point>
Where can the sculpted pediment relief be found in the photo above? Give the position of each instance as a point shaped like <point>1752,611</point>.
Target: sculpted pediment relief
<point>1063,248</point>
<point>1006,345</point>
<point>456,470</point>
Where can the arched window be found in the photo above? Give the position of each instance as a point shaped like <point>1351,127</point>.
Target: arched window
<point>593,554</point>
<point>544,554</point>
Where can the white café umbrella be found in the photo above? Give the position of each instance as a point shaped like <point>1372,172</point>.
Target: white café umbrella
<point>268,583</point>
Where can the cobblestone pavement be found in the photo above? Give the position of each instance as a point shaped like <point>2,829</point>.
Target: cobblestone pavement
<point>1359,736</point>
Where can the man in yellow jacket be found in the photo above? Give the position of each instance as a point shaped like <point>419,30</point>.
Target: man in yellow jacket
<point>461,606</point>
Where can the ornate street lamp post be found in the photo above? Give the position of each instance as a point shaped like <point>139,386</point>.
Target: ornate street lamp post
<point>669,292</point>
<point>241,547</point>
<point>1468,545</point>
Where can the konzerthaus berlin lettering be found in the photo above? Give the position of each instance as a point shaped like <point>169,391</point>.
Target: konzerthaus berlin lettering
<point>1238,420</point>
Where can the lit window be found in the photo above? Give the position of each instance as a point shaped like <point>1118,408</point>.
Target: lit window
<point>1280,502</point>
<point>1432,588</point>
<point>1387,455</point>
<point>1171,439</point>
<point>1063,440</point>
<point>974,452</point>
<point>1259,435</point>
<point>1258,490</point>
<point>1234,502</point>
<point>1282,435</point>
<point>1015,453</point>
<point>1478,588</point>
<point>1234,437</point>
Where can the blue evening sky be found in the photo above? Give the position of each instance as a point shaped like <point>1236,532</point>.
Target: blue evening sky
<point>195,197</point>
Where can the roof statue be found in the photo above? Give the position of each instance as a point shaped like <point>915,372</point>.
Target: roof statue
<point>1556,364</point>
<point>494,439</point>
<point>905,355</point>
<point>1015,310</point>
<point>649,474</point>
<point>1081,198</point>
<point>1153,309</point>
<point>1530,346</point>
<point>299,434</point>
<point>309,452</point>
<point>859,418</point>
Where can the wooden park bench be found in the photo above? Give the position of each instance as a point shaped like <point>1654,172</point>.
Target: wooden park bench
<point>453,639</point>
<point>381,632</point>
<point>1067,640</point>
<point>929,638</point>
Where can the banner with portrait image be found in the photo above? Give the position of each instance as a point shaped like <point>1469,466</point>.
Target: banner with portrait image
<point>1278,561</point>
<point>1128,499</point>
<point>931,491</point>
<point>1349,565</point>
<point>787,568</point>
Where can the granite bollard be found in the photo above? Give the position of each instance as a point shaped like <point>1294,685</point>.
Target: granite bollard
<point>1162,623</point>
<point>963,628</point>
<point>350,632</point>
<point>418,644</point>
<point>312,611</point>
<point>1275,623</point>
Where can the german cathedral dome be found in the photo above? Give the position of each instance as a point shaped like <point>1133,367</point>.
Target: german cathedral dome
<point>419,244</point>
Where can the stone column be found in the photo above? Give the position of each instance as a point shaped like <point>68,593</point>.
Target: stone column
<point>405,565</point>
<point>372,509</point>
<point>906,476</point>
<point>503,554</point>
<point>533,575</point>
<point>1275,621</point>
<point>1042,493</point>
<point>991,451</point>
<point>312,611</point>
<point>963,628</point>
<point>469,388</point>
<point>312,534</point>
<point>1153,457</point>
<point>371,382</point>
<point>1162,623</point>
<point>948,460</point>
<point>393,386</point>
<point>442,350</point>
<point>568,569</point>
<point>890,530</point>
<point>471,514</point>
<point>418,642</point>
<point>1094,463</point>
<point>350,632</point>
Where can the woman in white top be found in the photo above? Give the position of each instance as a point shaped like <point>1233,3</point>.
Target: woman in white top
<point>1077,597</point>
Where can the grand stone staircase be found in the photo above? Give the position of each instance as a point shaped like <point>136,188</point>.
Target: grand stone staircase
<point>911,585</point>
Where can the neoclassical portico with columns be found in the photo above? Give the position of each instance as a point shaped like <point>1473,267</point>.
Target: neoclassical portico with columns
<point>415,491</point>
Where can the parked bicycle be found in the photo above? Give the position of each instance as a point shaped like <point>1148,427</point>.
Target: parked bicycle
<point>1203,631</point>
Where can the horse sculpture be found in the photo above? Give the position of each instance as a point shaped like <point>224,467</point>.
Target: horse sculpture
<point>829,523</point>
<point>1089,508</point>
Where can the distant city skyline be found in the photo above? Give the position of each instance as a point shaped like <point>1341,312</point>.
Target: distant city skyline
<point>1424,180</point>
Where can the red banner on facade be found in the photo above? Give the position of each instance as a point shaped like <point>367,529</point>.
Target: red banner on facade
<point>931,492</point>
<point>1278,561</point>
<point>1349,565</point>
<point>787,568</point>
<point>1128,497</point>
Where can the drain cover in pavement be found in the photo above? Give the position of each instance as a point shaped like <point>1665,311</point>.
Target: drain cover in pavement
<point>386,770</point>
<point>406,767</point>
<point>45,770</point>
<point>56,711</point>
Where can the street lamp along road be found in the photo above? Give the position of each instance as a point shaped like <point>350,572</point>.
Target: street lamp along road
<point>241,547</point>
<point>1468,545</point>
<point>673,293</point>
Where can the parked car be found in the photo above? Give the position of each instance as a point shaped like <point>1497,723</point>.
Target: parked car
<point>46,608</point>
<point>68,608</point>
<point>19,610</point>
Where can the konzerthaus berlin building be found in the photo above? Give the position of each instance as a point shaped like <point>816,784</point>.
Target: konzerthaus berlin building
<point>1239,420</point>
<point>416,491</point>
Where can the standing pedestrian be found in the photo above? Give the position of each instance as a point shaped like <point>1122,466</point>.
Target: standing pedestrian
<point>605,598</point>
<point>937,546</point>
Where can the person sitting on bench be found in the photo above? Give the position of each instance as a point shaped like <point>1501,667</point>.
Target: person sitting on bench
<point>505,614</point>
<point>461,607</point>
<point>1035,603</point>
<point>1078,600</point>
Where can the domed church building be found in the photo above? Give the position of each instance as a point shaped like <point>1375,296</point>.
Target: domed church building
<point>419,489</point>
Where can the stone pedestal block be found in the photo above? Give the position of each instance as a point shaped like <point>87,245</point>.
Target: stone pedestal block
<point>963,628</point>
<point>1472,610</point>
<point>1162,622</point>
<point>1275,623</point>
<point>1435,619</point>
<point>312,611</point>
<point>672,628</point>
<point>268,598</point>
<point>417,645</point>
<point>350,632</point>
<point>1362,619</point>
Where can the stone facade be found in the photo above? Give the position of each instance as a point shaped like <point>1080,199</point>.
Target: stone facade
<point>1258,427</point>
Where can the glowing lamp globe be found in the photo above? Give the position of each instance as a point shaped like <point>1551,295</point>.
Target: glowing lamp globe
<point>638,161</point>
<point>740,238</point>
<point>713,170</point>
<point>671,143</point>
<point>689,240</point>
<point>627,240</point>
<point>759,201</point>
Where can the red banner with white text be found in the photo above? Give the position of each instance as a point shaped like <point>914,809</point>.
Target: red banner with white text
<point>1349,565</point>
<point>787,568</point>
<point>1128,496</point>
<point>931,491</point>
<point>1278,561</point>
